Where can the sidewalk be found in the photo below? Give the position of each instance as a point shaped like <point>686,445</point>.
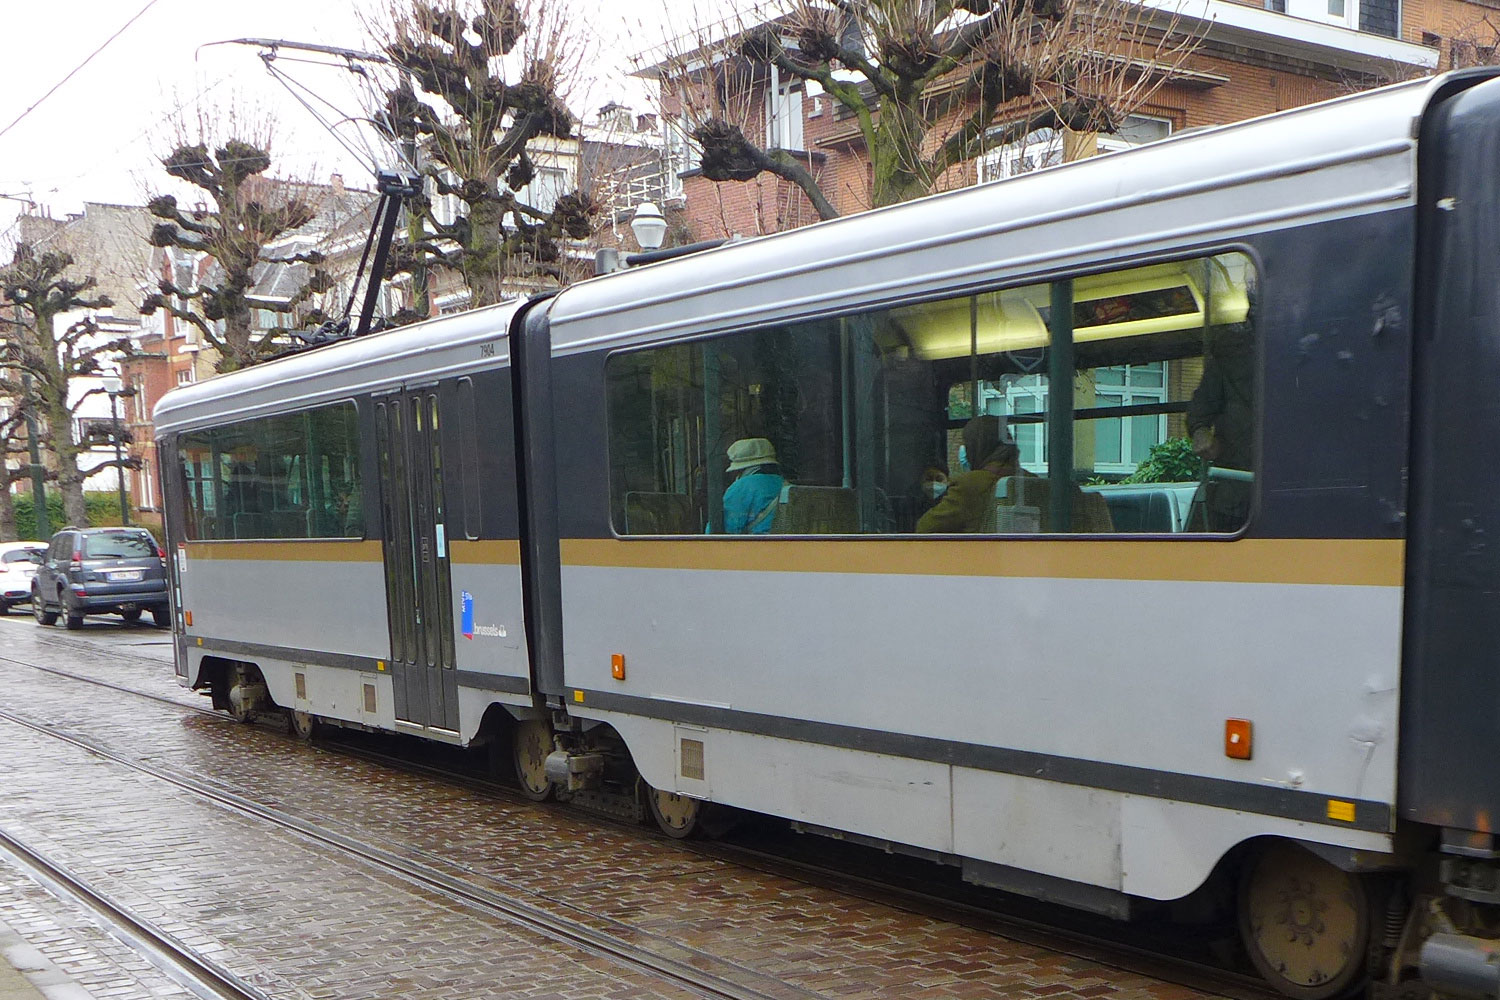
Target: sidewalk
<point>25,973</point>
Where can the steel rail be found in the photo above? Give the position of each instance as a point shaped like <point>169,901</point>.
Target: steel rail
<point>735,983</point>
<point>185,966</point>
<point>1141,960</point>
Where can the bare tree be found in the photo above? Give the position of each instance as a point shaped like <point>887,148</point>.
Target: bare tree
<point>929,83</point>
<point>43,292</point>
<point>479,90</point>
<point>244,214</point>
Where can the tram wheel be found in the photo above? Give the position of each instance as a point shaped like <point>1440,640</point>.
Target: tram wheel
<point>304,724</point>
<point>678,816</point>
<point>1305,922</point>
<point>531,743</point>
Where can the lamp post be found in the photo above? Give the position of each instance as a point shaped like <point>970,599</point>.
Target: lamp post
<point>112,385</point>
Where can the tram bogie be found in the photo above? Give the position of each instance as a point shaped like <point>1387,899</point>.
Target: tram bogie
<point>671,540</point>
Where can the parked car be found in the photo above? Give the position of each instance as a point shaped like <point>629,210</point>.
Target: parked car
<point>101,571</point>
<point>18,563</point>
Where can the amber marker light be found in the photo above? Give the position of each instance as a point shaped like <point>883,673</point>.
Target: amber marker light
<point>617,666</point>
<point>1237,738</point>
<point>187,617</point>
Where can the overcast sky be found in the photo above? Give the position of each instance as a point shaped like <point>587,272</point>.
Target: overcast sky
<point>94,138</point>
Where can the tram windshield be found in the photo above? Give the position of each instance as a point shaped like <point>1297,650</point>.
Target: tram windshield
<point>867,423</point>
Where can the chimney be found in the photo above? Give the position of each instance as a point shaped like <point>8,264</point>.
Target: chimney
<point>337,183</point>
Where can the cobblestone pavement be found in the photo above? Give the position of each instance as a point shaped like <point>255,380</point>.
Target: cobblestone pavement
<point>301,922</point>
<point>58,945</point>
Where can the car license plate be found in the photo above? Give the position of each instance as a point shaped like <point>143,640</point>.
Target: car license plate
<point>124,575</point>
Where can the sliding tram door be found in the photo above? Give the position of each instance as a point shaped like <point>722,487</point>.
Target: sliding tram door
<point>419,597</point>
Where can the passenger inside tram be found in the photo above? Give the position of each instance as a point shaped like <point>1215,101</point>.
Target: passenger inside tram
<point>1157,360</point>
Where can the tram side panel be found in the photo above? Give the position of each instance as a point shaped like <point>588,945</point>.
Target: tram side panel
<point>1052,705</point>
<point>315,614</point>
<point>492,652</point>
<point>277,566</point>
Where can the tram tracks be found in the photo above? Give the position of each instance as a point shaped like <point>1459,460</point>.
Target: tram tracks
<point>1084,945</point>
<point>185,966</point>
<point>698,971</point>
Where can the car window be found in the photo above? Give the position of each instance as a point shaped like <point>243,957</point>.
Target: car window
<point>22,556</point>
<point>118,545</point>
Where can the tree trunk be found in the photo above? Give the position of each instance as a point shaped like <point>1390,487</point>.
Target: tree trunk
<point>238,352</point>
<point>8,531</point>
<point>69,479</point>
<point>481,265</point>
<point>896,156</point>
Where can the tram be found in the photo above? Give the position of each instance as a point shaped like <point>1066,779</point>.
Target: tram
<point>1207,605</point>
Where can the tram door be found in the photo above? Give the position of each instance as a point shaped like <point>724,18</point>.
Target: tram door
<point>419,597</point>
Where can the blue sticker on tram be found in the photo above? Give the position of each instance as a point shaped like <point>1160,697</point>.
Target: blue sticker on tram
<point>468,613</point>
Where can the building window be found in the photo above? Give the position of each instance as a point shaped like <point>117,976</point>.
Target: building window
<point>784,116</point>
<point>547,185</point>
<point>147,496</point>
<point>184,376</point>
<point>1044,147</point>
<point>840,425</point>
<point>1344,13</point>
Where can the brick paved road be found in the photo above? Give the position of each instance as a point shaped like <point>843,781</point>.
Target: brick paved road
<point>293,919</point>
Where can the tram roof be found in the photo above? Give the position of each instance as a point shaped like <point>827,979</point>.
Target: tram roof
<point>1349,156</point>
<point>438,348</point>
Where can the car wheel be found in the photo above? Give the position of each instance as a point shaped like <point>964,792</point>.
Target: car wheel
<point>4,607</point>
<point>39,609</point>
<point>133,615</point>
<point>162,616</point>
<point>73,619</point>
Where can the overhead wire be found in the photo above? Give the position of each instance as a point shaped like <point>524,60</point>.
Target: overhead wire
<point>74,72</point>
<point>371,158</point>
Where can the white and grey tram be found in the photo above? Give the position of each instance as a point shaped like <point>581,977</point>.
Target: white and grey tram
<point>1112,670</point>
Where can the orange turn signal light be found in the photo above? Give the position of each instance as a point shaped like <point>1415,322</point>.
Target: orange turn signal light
<point>617,666</point>
<point>187,618</point>
<point>1237,738</point>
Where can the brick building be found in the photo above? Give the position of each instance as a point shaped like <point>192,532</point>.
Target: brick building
<point>1251,60</point>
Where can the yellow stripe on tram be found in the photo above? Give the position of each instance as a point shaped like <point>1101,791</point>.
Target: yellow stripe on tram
<point>1348,562</point>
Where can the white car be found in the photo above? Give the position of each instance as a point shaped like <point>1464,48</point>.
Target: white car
<point>18,563</point>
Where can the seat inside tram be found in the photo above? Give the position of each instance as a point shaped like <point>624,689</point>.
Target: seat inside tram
<point>1156,436</point>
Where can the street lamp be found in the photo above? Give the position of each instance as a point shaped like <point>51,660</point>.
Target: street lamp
<point>113,386</point>
<point>649,226</point>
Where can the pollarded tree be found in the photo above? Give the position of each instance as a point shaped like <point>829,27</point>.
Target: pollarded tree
<point>928,83</point>
<point>43,292</point>
<point>245,213</point>
<point>478,90</point>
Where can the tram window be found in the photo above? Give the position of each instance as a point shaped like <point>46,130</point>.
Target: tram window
<point>293,475</point>
<point>469,456</point>
<point>863,414</point>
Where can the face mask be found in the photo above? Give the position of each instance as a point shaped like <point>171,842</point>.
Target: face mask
<point>963,458</point>
<point>933,490</point>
